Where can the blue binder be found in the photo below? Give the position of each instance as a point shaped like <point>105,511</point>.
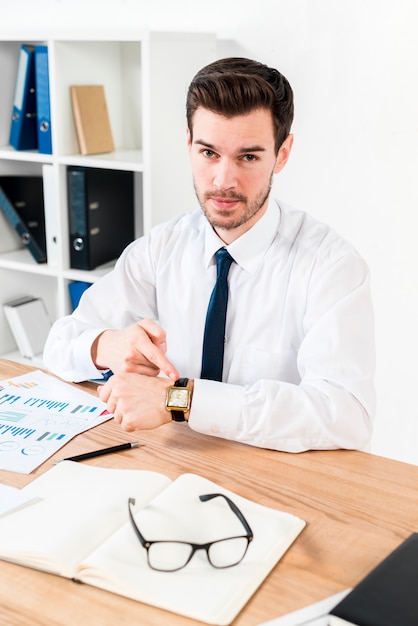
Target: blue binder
<point>42,100</point>
<point>76,289</point>
<point>23,130</point>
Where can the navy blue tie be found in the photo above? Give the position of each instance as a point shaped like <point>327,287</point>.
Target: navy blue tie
<point>214,337</point>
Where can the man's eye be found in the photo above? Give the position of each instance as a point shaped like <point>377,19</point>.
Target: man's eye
<point>249,157</point>
<point>208,153</point>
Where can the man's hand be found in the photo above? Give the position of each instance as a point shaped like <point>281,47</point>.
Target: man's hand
<point>136,401</point>
<point>139,348</point>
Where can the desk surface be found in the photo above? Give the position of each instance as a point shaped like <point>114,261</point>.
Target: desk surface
<point>358,508</point>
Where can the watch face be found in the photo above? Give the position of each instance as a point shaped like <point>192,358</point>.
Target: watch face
<point>178,398</point>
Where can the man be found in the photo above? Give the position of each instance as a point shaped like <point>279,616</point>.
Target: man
<point>298,345</point>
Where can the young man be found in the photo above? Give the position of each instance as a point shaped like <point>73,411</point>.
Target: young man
<point>298,345</point>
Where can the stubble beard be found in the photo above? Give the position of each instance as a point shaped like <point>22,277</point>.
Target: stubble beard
<point>223,219</point>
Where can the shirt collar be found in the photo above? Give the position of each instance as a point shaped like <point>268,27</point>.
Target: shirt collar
<point>249,249</point>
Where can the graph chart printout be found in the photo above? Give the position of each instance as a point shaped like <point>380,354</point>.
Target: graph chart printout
<point>38,415</point>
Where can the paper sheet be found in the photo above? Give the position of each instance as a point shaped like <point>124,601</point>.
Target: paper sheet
<point>38,415</point>
<point>312,615</point>
<point>12,499</point>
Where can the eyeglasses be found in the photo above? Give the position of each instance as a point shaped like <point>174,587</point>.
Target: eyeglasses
<point>170,556</point>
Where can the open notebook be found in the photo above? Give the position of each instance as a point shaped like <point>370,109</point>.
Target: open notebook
<point>80,529</point>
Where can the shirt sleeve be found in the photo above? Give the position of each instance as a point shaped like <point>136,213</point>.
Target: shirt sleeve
<point>117,300</point>
<point>67,351</point>
<point>333,405</point>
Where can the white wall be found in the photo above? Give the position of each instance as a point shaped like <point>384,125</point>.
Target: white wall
<point>353,65</point>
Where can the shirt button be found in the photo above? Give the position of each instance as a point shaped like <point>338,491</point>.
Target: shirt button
<point>214,429</point>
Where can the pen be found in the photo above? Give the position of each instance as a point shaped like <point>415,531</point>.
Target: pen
<point>94,453</point>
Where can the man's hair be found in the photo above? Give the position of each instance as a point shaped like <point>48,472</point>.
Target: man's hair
<point>236,86</point>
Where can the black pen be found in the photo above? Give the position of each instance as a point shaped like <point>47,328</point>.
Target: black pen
<point>91,455</point>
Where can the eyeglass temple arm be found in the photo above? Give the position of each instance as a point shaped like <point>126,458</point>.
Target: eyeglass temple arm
<point>144,542</point>
<point>234,509</point>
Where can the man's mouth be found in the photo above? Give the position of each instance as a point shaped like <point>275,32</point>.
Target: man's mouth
<point>224,203</point>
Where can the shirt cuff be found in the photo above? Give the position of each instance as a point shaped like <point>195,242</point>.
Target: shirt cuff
<point>212,401</point>
<point>82,354</point>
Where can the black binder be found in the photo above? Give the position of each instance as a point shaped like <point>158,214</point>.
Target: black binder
<point>101,215</point>
<point>26,193</point>
<point>21,227</point>
<point>387,596</point>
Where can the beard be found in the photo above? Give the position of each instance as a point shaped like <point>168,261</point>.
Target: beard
<point>224,219</point>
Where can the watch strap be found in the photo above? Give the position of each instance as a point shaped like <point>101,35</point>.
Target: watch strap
<point>178,416</point>
<point>181,382</point>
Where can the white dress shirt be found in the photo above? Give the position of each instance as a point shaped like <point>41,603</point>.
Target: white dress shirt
<point>299,350</point>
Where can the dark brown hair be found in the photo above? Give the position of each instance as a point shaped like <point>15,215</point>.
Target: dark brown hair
<point>236,86</point>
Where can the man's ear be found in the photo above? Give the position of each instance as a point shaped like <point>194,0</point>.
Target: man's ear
<point>283,154</point>
<point>189,138</point>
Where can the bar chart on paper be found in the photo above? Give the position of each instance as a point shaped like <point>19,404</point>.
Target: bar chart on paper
<point>38,415</point>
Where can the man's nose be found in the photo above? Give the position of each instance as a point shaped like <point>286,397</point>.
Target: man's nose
<point>225,176</point>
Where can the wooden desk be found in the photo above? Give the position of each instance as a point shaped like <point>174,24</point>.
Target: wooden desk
<point>358,508</point>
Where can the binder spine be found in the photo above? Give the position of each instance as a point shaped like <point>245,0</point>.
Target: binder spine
<point>78,216</point>
<point>21,228</point>
<point>42,100</point>
<point>23,129</point>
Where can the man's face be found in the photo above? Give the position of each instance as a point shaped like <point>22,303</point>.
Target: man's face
<point>233,161</point>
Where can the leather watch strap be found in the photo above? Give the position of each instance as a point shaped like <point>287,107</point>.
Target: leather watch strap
<point>178,416</point>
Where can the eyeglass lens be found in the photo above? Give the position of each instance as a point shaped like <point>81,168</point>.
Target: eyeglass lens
<point>169,555</point>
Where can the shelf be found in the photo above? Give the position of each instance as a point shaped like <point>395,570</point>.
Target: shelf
<point>130,160</point>
<point>145,76</point>
<point>16,356</point>
<point>9,153</point>
<point>91,276</point>
<point>22,261</point>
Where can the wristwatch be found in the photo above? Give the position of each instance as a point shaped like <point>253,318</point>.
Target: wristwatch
<point>178,399</point>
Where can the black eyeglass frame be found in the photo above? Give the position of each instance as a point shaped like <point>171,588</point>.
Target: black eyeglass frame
<point>249,536</point>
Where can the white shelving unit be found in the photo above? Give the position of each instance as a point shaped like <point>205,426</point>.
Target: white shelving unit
<point>145,75</point>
